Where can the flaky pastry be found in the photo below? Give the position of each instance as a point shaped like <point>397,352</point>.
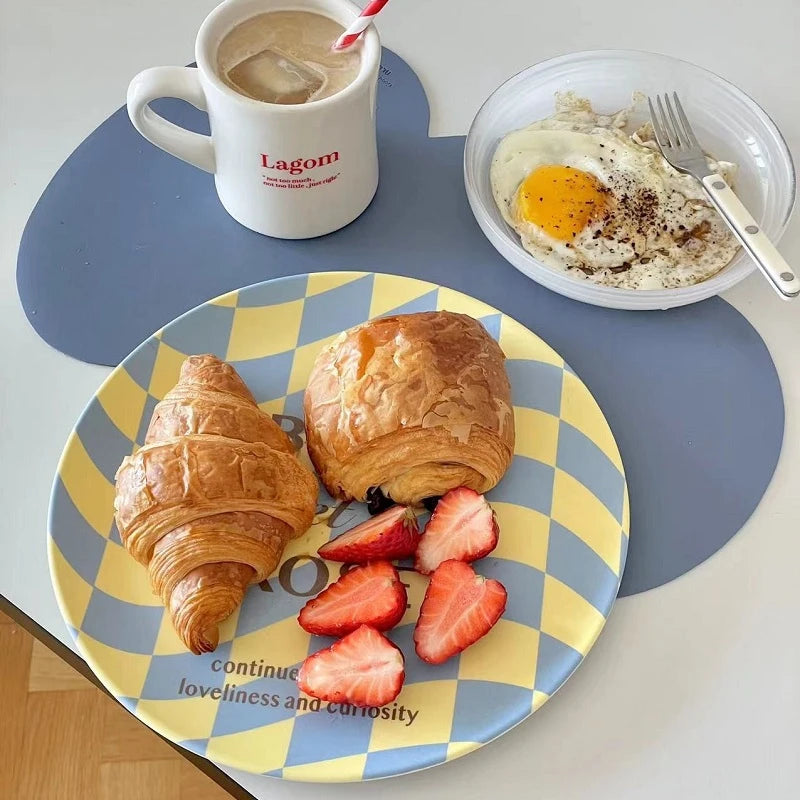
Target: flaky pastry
<point>210,500</point>
<point>412,405</point>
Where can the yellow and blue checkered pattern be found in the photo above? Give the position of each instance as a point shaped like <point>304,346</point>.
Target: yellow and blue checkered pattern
<point>562,508</point>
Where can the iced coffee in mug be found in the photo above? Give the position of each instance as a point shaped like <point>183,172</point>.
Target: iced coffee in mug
<point>292,145</point>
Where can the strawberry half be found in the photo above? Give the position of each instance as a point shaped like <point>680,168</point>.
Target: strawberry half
<point>463,526</point>
<point>392,534</point>
<point>363,669</point>
<point>459,607</point>
<point>368,595</point>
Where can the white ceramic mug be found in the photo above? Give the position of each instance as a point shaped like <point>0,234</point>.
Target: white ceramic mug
<point>290,171</point>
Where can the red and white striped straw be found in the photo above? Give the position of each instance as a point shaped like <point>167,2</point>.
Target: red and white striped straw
<point>359,25</point>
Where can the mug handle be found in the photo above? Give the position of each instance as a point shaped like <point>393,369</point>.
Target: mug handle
<point>182,83</point>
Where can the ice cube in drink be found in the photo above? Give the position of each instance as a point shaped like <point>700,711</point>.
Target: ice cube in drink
<point>272,77</point>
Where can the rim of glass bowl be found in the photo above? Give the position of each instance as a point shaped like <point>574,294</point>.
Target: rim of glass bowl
<point>612,296</point>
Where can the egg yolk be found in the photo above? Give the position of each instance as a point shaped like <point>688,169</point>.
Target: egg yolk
<point>560,200</point>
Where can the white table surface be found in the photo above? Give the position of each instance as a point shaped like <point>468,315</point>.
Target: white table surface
<point>692,691</point>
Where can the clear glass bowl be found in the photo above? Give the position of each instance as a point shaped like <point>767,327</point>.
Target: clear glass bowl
<point>728,123</point>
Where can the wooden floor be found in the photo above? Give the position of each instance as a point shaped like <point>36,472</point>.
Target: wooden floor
<point>62,738</point>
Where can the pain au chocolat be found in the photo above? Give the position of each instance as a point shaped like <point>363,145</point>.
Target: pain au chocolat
<point>410,406</point>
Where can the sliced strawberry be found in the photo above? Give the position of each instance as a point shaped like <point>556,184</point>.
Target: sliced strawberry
<point>463,526</point>
<point>363,669</point>
<point>392,534</point>
<point>459,607</point>
<point>368,595</point>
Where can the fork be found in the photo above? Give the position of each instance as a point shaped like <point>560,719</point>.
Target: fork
<point>680,147</point>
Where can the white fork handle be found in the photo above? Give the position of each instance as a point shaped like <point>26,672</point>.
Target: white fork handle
<point>753,239</point>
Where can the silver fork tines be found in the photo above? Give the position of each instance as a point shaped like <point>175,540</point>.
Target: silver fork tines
<point>675,136</point>
<point>687,128</point>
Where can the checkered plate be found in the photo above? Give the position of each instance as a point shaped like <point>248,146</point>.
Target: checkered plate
<point>562,508</point>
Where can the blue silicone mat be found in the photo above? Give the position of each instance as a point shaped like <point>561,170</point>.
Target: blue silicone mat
<point>126,237</point>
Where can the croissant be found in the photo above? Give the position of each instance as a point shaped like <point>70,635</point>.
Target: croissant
<point>409,407</point>
<point>210,500</point>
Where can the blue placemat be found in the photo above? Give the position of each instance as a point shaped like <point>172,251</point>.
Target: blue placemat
<point>125,238</point>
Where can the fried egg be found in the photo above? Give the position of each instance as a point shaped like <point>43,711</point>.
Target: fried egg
<point>586,198</point>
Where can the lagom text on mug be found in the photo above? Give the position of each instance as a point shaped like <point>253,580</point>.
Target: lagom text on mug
<point>297,166</point>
